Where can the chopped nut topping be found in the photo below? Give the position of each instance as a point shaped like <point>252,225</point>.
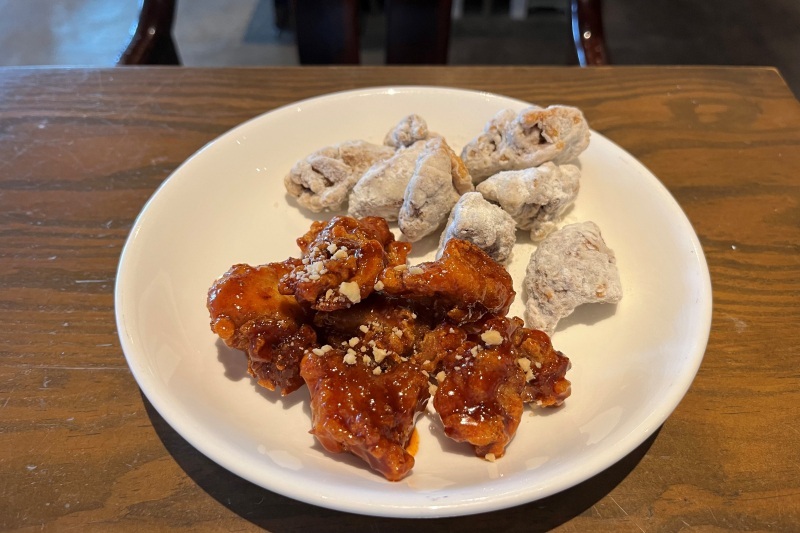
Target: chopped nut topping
<point>322,350</point>
<point>340,254</point>
<point>492,337</point>
<point>379,354</point>
<point>350,290</point>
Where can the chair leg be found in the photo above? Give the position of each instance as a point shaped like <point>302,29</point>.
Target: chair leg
<point>587,32</point>
<point>152,42</point>
<point>327,31</point>
<point>417,31</point>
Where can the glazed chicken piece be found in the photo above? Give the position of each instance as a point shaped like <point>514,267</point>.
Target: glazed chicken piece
<point>515,141</point>
<point>439,180</point>
<point>545,368</point>
<point>479,397</point>
<point>571,267</point>
<point>536,198</point>
<point>482,223</point>
<point>485,379</point>
<point>381,189</point>
<point>364,409</point>
<point>464,284</point>
<point>322,180</point>
<point>341,262</point>
<point>445,338</point>
<point>249,314</point>
<point>374,330</point>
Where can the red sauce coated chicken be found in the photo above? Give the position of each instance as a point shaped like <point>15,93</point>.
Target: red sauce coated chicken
<point>373,338</point>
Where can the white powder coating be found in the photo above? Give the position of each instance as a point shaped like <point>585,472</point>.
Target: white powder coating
<point>322,181</point>
<point>536,198</point>
<point>380,191</point>
<point>409,130</point>
<point>482,223</point>
<point>512,141</point>
<point>439,180</point>
<point>571,267</point>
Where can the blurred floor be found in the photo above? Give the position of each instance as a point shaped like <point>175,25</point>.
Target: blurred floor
<point>243,32</point>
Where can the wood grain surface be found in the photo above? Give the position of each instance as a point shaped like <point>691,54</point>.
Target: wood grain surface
<point>82,150</point>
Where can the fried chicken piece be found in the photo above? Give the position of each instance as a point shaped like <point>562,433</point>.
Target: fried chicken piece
<point>445,338</point>
<point>381,189</point>
<point>341,262</point>
<point>571,267</point>
<point>536,198</point>
<point>374,330</point>
<point>479,396</point>
<point>322,180</point>
<point>411,129</point>
<point>515,141</point>
<point>464,284</point>
<point>545,368</point>
<point>482,223</point>
<point>486,371</point>
<point>439,180</point>
<point>249,314</point>
<point>366,410</point>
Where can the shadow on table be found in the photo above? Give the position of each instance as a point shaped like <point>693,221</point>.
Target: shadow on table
<point>280,514</point>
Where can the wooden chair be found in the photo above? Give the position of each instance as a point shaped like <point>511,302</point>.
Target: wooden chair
<point>587,32</point>
<point>152,42</point>
<point>328,32</point>
<point>417,31</point>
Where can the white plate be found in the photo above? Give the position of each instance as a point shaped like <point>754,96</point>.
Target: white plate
<point>631,363</point>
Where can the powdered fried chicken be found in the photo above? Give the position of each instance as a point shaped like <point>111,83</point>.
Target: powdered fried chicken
<point>515,141</point>
<point>322,180</point>
<point>482,223</point>
<point>249,314</point>
<point>380,191</point>
<point>439,180</point>
<point>342,259</point>
<point>464,284</point>
<point>571,267</point>
<point>536,198</point>
<point>411,129</point>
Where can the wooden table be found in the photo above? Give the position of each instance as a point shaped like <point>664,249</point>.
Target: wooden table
<point>82,150</point>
